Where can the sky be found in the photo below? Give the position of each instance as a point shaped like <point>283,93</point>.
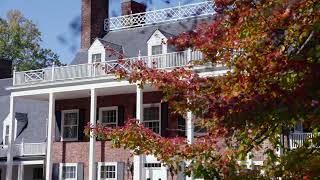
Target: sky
<point>58,20</point>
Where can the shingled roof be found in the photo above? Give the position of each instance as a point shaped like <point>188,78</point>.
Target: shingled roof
<point>133,40</point>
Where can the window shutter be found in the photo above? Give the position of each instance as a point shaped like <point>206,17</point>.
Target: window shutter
<point>80,171</point>
<point>82,114</point>
<point>58,126</point>
<point>55,171</point>
<point>120,115</point>
<point>120,171</point>
<point>164,119</point>
<point>97,115</point>
<point>134,115</point>
<point>181,126</point>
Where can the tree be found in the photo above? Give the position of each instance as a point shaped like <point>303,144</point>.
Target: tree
<point>273,51</point>
<point>20,42</point>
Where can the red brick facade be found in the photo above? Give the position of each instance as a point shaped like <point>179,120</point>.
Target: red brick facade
<point>131,7</point>
<point>93,14</point>
<point>74,152</point>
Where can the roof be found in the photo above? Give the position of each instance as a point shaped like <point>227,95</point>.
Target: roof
<point>31,120</point>
<point>133,40</point>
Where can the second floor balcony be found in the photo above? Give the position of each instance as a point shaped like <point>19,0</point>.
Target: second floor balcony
<point>24,149</point>
<point>100,69</point>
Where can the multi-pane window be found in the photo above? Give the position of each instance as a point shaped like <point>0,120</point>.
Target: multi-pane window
<point>70,124</point>
<point>6,137</point>
<point>69,172</point>
<point>152,165</point>
<point>109,116</point>
<point>155,50</point>
<point>96,57</point>
<point>107,172</point>
<point>151,118</point>
<point>37,173</point>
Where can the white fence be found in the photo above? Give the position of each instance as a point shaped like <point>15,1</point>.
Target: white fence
<point>25,149</point>
<point>297,139</point>
<point>82,71</point>
<point>159,16</point>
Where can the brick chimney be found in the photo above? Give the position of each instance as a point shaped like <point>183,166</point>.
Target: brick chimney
<point>5,69</point>
<point>93,13</point>
<point>132,7</point>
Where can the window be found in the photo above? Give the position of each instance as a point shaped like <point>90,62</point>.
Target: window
<point>151,117</point>
<point>155,50</point>
<point>6,136</point>
<point>152,165</point>
<point>70,120</point>
<point>109,116</point>
<point>96,57</point>
<point>37,173</point>
<point>68,171</point>
<point>107,170</point>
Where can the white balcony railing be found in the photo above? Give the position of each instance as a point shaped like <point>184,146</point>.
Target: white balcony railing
<point>25,149</point>
<point>83,71</point>
<point>297,139</point>
<point>160,16</point>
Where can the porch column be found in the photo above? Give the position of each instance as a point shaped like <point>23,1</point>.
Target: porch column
<point>92,148</point>
<point>11,138</point>
<point>21,172</point>
<point>139,160</point>
<point>51,119</point>
<point>190,135</point>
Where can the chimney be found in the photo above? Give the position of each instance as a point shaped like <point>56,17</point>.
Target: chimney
<point>5,69</point>
<point>93,14</point>
<point>131,7</point>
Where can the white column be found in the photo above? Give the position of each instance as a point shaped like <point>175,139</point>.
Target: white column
<point>138,161</point>
<point>92,148</point>
<point>51,120</point>
<point>21,172</point>
<point>190,135</point>
<point>190,128</point>
<point>11,138</point>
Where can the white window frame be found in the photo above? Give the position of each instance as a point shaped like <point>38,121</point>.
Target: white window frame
<point>5,123</point>
<point>68,164</point>
<point>62,124</point>
<point>107,164</point>
<point>94,54</point>
<point>153,105</point>
<point>108,109</point>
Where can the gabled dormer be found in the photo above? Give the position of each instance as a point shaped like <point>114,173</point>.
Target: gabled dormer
<point>157,43</point>
<point>102,51</point>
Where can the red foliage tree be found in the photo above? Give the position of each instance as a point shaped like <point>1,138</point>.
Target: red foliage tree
<point>273,51</point>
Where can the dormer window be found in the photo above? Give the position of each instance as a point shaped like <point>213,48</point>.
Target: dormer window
<point>96,57</point>
<point>156,50</point>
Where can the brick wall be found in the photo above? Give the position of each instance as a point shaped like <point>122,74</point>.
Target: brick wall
<point>132,7</point>
<point>74,152</point>
<point>93,13</point>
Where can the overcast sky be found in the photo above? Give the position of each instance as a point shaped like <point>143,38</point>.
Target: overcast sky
<point>58,20</point>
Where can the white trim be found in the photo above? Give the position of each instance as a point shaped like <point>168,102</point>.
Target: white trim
<point>70,165</point>
<point>96,48</point>
<point>156,39</point>
<point>62,124</point>
<point>153,105</point>
<point>107,164</point>
<point>37,162</point>
<point>101,109</point>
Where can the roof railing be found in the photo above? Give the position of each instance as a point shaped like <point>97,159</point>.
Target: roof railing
<point>159,16</point>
